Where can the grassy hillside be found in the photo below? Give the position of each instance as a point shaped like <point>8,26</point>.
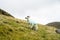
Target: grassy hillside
<point>54,24</point>
<point>17,29</point>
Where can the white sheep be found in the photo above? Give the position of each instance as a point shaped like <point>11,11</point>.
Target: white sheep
<point>32,23</point>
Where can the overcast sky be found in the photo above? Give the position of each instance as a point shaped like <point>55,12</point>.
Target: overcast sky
<point>42,11</point>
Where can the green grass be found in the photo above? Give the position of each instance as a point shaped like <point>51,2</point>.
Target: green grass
<point>17,29</point>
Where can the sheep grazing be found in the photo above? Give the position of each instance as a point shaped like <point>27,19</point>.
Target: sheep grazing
<point>57,31</point>
<point>32,23</point>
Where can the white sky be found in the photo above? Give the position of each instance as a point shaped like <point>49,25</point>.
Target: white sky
<point>42,11</point>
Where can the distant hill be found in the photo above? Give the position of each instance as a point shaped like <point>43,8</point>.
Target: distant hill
<point>5,13</point>
<point>54,24</point>
<point>18,29</point>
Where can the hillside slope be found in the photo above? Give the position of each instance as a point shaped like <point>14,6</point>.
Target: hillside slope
<point>54,24</point>
<point>5,13</point>
<point>17,29</point>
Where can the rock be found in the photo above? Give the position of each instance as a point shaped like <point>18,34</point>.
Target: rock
<point>57,31</point>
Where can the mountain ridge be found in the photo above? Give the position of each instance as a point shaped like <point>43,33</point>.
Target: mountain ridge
<point>5,13</point>
<point>54,24</point>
